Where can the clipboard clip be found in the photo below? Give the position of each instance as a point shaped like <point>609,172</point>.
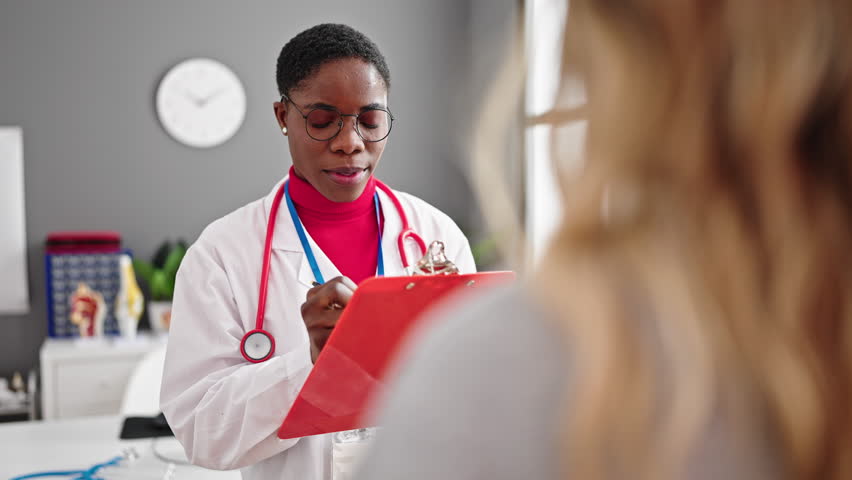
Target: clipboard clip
<point>435,262</point>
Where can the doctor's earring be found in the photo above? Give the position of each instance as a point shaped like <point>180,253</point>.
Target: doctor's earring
<point>284,130</point>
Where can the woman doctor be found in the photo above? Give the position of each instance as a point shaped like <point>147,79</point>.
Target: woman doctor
<point>336,227</point>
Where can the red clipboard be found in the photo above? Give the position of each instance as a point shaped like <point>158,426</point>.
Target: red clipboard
<point>351,367</point>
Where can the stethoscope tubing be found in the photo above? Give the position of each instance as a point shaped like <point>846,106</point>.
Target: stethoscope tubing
<point>407,231</point>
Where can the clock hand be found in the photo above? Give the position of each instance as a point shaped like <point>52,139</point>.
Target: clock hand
<point>205,100</point>
<point>199,102</point>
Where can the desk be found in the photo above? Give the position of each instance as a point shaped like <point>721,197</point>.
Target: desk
<point>79,443</point>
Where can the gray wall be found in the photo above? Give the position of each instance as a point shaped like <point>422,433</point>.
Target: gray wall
<point>80,77</point>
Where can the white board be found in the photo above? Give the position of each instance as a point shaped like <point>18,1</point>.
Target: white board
<point>14,292</point>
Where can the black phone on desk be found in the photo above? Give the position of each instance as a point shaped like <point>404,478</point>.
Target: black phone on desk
<point>145,427</point>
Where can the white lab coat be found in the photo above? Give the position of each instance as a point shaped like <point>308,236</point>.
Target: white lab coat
<point>224,410</point>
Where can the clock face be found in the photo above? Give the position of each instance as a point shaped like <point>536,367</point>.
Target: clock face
<point>201,102</point>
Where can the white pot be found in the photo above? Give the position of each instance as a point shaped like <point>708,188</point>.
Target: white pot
<point>160,316</point>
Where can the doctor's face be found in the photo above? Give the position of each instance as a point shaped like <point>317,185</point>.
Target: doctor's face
<point>338,167</point>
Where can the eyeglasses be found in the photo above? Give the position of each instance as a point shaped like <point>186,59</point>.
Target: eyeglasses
<point>324,123</point>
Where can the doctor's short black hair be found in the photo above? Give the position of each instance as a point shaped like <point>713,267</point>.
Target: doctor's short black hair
<point>312,48</point>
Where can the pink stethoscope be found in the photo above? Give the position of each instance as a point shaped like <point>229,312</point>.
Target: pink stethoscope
<point>258,345</point>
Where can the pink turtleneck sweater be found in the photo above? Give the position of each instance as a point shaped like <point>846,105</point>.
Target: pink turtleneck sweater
<point>346,232</point>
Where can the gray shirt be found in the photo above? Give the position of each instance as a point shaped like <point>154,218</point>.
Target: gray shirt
<point>480,395</point>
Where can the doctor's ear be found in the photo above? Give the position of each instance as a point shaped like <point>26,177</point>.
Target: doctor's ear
<point>280,110</point>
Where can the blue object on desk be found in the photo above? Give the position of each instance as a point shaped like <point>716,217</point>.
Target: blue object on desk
<point>80,474</point>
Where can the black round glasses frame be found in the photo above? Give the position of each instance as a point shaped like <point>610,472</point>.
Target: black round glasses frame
<point>285,98</point>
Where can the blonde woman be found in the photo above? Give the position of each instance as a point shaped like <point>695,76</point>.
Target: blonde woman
<point>693,317</point>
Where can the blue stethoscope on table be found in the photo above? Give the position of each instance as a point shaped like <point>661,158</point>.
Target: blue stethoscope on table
<point>88,474</point>
<point>258,345</point>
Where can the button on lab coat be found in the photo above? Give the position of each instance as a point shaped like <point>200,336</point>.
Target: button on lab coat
<point>224,410</point>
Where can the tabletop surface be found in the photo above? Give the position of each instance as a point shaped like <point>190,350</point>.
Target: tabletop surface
<point>79,443</point>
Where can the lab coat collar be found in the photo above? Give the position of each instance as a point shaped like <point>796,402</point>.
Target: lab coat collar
<point>286,239</point>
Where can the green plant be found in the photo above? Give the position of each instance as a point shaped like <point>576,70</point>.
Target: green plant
<point>159,274</point>
<point>484,246</point>
<point>485,251</point>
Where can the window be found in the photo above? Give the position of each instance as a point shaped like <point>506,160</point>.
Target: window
<point>545,22</point>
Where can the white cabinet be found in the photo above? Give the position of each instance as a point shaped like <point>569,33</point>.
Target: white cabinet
<point>81,377</point>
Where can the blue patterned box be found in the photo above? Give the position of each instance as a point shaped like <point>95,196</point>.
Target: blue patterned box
<point>100,271</point>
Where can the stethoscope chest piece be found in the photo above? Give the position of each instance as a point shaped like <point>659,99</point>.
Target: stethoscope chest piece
<point>257,346</point>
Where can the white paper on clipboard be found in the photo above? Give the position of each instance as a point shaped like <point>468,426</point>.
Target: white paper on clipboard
<point>14,291</point>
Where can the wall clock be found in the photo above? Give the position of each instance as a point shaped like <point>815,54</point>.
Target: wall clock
<point>201,102</point>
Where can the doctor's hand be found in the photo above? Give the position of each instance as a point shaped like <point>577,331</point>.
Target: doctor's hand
<point>323,306</point>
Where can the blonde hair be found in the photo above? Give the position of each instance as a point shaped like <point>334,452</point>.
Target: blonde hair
<point>718,276</point>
